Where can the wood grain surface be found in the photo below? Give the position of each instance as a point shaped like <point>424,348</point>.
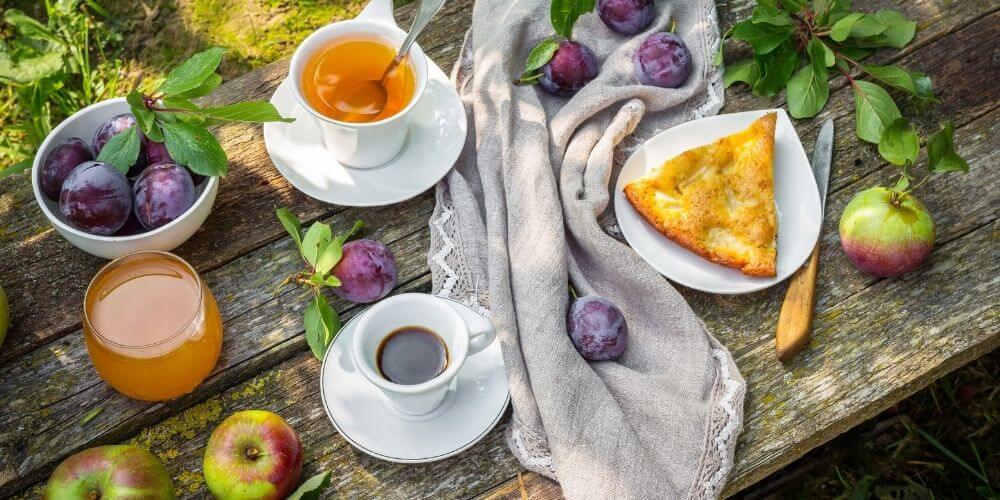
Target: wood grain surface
<point>874,341</point>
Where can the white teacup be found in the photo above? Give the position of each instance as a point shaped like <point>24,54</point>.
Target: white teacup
<point>362,145</point>
<point>429,312</point>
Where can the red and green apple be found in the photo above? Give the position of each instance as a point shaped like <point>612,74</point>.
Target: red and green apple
<point>253,454</point>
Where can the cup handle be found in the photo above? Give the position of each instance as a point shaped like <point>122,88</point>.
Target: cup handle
<point>378,10</point>
<point>481,334</point>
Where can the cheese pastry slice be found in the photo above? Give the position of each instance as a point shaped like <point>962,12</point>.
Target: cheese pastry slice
<point>717,200</point>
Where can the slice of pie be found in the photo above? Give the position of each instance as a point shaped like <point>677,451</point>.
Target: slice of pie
<point>717,200</point>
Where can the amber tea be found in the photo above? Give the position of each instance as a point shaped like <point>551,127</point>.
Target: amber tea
<point>335,71</point>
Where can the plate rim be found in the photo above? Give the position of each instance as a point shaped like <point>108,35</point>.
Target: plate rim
<point>620,200</point>
<point>375,454</point>
<point>435,73</point>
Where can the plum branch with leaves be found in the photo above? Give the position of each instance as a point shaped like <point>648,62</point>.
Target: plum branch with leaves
<point>826,35</point>
<point>321,250</point>
<point>169,115</point>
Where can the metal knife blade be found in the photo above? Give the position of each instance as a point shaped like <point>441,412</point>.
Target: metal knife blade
<point>822,156</point>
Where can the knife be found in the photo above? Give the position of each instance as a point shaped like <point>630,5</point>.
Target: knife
<point>796,316</point>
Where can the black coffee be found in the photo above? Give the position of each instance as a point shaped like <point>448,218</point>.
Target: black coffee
<point>411,355</point>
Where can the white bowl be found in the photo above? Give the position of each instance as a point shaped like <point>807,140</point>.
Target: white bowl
<point>83,124</point>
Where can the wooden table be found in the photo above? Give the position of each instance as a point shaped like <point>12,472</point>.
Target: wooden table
<point>875,341</point>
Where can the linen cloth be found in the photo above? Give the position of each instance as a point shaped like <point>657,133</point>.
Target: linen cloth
<point>519,217</point>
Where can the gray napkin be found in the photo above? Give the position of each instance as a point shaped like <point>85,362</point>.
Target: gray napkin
<point>519,217</point>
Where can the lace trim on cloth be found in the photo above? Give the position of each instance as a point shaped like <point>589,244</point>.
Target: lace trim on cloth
<point>725,421</point>
<point>713,41</point>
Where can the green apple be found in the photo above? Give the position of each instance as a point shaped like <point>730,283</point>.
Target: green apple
<point>886,233</point>
<point>110,472</point>
<point>253,454</point>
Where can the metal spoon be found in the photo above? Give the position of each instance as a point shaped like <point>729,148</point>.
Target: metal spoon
<point>368,98</point>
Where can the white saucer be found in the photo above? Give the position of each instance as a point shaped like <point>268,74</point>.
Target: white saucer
<point>795,194</point>
<point>359,411</point>
<point>436,137</point>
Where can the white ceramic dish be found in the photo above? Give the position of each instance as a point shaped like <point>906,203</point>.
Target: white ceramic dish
<point>795,193</point>
<point>83,124</point>
<point>362,415</point>
<point>435,139</point>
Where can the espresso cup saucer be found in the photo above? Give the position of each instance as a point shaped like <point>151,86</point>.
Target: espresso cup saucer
<point>436,137</point>
<point>363,416</point>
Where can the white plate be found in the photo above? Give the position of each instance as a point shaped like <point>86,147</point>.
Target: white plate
<point>795,194</point>
<point>360,413</point>
<point>436,137</point>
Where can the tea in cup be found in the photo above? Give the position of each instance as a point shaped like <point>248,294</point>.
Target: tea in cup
<point>328,66</point>
<point>411,346</point>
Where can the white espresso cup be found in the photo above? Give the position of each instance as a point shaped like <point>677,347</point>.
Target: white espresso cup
<point>425,311</point>
<point>372,144</point>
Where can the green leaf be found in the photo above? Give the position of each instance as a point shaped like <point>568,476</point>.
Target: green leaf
<point>312,488</point>
<point>923,87</point>
<point>16,168</point>
<point>342,238</point>
<point>92,414</point>
<point>30,28</point>
<point>867,26</point>
<point>564,14</point>
<point>762,37</point>
<point>317,238</point>
<point>829,59</point>
<point>248,112</point>
<point>291,224</point>
<point>808,89</point>
<point>902,183</point>
<point>541,54</point>
<point>180,103</point>
<point>332,280</point>
<point>122,150</point>
<point>899,144</point>
<point>322,324</point>
<point>894,76</point>
<point>899,30</point>
<point>874,110</point>
<point>776,69</point>
<point>329,257</point>
<point>29,70</point>
<point>842,28</point>
<point>145,117</point>
<point>941,155</point>
<point>192,73</point>
<point>211,83</point>
<point>745,71</point>
<point>193,146</point>
<point>764,13</point>
<point>793,6</point>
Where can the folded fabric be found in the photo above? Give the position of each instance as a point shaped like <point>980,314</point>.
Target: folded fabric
<point>520,217</point>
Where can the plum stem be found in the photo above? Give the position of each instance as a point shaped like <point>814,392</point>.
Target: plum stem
<point>572,292</point>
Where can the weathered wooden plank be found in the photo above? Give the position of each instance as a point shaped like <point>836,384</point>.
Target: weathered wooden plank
<point>241,220</point>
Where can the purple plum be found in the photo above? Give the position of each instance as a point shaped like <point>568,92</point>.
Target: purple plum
<point>156,152</point>
<point>163,192</point>
<point>662,60</point>
<point>597,328</point>
<point>571,67</point>
<point>63,158</point>
<point>367,271</point>
<point>96,198</point>
<point>113,127</point>
<point>131,227</point>
<point>627,17</point>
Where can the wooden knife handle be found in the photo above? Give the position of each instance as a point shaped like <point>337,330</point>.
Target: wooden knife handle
<point>796,316</point>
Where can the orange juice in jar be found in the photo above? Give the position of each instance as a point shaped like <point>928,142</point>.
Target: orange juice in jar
<point>152,326</point>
